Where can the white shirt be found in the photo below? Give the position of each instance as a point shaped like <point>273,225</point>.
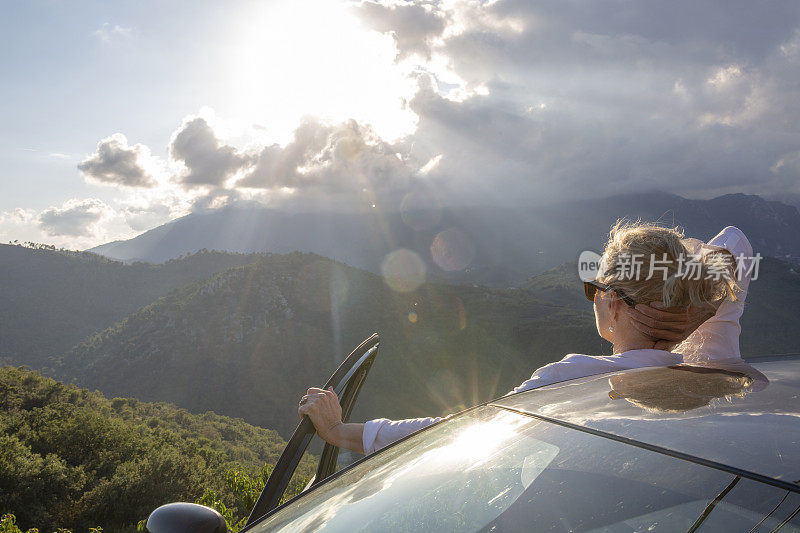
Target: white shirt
<point>716,339</point>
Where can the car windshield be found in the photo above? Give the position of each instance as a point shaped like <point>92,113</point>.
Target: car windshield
<point>492,469</point>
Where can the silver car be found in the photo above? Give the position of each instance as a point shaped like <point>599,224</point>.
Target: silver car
<point>682,448</point>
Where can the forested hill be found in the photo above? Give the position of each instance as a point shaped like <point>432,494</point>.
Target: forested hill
<point>71,458</point>
<point>250,340</point>
<point>247,341</point>
<point>52,300</point>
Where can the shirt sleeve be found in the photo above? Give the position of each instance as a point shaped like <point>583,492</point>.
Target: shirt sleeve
<point>718,337</point>
<point>381,432</point>
<point>570,367</point>
<point>546,375</point>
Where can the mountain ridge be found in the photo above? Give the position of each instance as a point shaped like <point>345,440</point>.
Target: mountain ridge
<point>497,247</point>
<point>53,299</point>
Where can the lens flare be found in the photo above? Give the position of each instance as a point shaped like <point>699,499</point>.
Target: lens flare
<point>403,270</point>
<point>452,250</point>
<point>462,314</point>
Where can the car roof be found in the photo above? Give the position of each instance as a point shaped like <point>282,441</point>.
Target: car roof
<point>742,416</point>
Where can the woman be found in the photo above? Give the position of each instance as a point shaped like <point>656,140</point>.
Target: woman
<point>695,291</point>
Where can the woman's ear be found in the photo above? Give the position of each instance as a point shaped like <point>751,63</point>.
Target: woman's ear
<point>616,306</point>
<point>614,303</point>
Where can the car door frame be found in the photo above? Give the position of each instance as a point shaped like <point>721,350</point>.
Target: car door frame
<point>346,383</point>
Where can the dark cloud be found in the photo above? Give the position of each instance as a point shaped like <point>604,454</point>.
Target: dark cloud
<point>76,218</point>
<point>207,161</point>
<point>589,99</point>
<point>496,150</point>
<point>662,35</point>
<point>116,163</point>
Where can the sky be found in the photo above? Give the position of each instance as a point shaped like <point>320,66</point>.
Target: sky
<point>120,116</point>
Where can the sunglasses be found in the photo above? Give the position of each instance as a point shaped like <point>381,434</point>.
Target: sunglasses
<point>591,288</point>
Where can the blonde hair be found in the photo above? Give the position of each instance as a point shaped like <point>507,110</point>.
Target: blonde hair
<point>665,390</point>
<point>663,272</point>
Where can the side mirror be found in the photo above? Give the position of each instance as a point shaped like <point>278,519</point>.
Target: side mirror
<point>185,518</point>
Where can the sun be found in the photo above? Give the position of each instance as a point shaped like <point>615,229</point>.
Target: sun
<point>314,57</point>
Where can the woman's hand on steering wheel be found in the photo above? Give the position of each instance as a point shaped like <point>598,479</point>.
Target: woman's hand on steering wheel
<point>322,407</point>
<point>669,326</point>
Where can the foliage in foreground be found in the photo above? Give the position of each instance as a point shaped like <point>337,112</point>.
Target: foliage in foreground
<point>70,458</point>
<point>8,524</point>
<point>245,489</point>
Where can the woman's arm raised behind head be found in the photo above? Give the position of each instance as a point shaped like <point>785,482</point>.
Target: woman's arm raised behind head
<point>718,337</point>
<point>702,332</point>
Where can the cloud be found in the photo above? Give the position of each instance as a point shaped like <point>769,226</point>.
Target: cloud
<point>345,157</point>
<point>108,33</point>
<point>791,48</point>
<point>75,218</point>
<point>413,26</point>
<point>347,160</point>
<point>142,218</point>
<point>207,161</point>
<point>520,102</point>
<point>76,224</point>
<point>18,224</point>
<point>531,101</point>
<point>116,163</point>
<point>19,215</point>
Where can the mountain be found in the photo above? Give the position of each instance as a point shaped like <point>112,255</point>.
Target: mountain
<point>51,300</point>
<point>487,245</point>
<point>281,324</point>
<point>250,340</point>
<point>359,239</point>
<point>70,458</point>
<point>277,324</point>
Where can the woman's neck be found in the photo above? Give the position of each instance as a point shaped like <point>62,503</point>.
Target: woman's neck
<point>628,338</point>
<point>619,348</point>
